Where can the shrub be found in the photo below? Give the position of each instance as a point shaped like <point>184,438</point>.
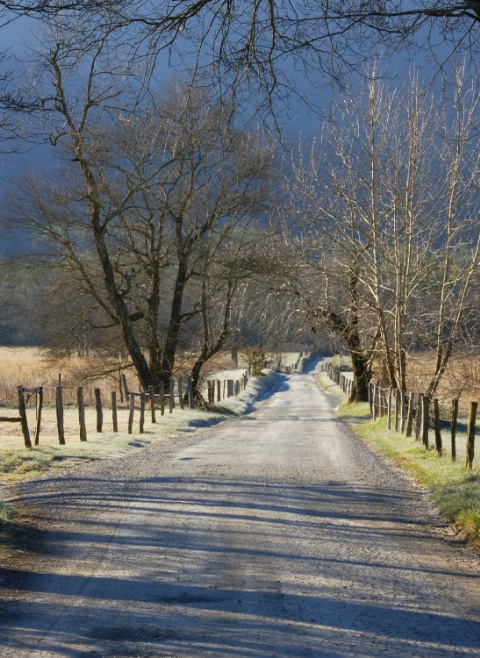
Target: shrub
<point>256,358</point>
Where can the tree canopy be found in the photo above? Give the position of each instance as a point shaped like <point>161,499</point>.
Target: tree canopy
<point>260,45</point>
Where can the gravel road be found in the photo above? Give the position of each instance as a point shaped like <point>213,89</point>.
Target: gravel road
<point>276,534</point>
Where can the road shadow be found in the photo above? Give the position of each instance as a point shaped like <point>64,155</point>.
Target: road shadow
<point>176,531</point>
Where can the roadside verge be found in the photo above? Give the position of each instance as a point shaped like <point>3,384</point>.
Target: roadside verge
<point>453,489</point>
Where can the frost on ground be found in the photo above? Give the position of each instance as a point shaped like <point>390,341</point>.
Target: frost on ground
<point>276,534</point>
<point>16,461</point>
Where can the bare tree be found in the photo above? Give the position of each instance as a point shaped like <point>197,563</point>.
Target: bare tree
<point>458,253</point>
<point>388,205</point>
<point>260,45</point>
<point>143,193</point>
<point>226,266</point>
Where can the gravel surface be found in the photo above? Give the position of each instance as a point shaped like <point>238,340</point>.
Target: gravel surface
<point>276,534</point>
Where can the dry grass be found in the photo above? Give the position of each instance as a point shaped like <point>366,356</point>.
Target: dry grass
<point>461,380</point>
<point>32,367</point>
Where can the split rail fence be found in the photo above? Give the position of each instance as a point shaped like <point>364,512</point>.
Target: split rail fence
<point>414,414</point>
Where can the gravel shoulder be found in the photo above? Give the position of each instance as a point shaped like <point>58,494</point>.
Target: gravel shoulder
<point>275,534</point>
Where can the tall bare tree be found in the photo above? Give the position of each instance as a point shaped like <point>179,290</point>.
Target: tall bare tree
<point>387,206</point>
<point>143,192</point>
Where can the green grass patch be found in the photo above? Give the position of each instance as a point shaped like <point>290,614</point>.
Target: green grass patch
<point>454,490</point>
<point>325,383</point>
<point>354,413</point>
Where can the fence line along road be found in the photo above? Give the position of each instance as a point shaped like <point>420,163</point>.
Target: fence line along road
<point>415,414</point>
<point>180,394</point>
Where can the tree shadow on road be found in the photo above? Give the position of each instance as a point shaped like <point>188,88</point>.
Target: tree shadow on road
<point>216,568</point>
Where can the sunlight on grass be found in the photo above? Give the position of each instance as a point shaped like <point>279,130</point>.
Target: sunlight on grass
<point>454,490</point>
<point>326,384</point>
<point>19,463</point>
<point>354,413</point>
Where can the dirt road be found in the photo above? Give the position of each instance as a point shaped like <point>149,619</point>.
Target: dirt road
<point>276,534</point>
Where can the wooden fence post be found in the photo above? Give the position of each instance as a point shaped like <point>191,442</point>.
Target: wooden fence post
<point>438,434</point>
<point>180,392</point>
<point>385,401</point>
<point>22,411</point>
<point>39,407</point>
<point>403,409</point>
<point>162,398</point>
<point>410,414</point>
<point>114,411</point>
<point>131,412</point>
<point>81,414</point>
<point>191,397</point>
<point>99,410</point>
<point>425,419</point>
<point>172,395</point>
<point>59,409</point>
<point>453,429</point>
<point>219,390</point>
<point>397,410</point>
<point>418,419</point>
<point>142,412</point>
<point>472,416</point>
<point>389,409</point>
<point>151,396</point>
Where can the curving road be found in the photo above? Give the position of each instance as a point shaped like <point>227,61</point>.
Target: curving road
<point>276,534</point>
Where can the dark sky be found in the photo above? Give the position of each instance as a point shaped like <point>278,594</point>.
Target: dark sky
<point>295,120</point>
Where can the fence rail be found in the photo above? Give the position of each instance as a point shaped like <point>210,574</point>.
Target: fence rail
<point>222,389</point>
<point>339,377</point>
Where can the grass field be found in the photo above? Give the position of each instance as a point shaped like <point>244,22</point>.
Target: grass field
<point>461,380</point>
<point>454,489</point>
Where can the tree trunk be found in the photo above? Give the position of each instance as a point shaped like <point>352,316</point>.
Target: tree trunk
<point>175,323</point>
<point>361,377</point>
<point>122,313</point>
<point>361,371</point>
